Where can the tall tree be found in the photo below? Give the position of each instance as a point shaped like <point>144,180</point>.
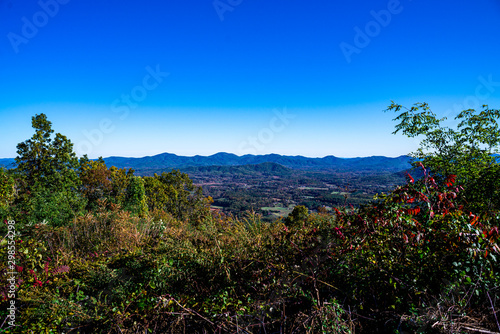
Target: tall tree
<point>47,168</point>
<point>46,162</point>
<point>135,200</point>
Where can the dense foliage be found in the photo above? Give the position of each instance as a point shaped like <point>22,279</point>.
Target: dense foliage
<point>146,255</point>
<point>467,151</point>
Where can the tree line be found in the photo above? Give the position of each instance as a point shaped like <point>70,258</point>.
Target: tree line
<point>51,184</point>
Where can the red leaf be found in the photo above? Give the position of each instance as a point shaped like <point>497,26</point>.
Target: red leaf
<point>450,180</point>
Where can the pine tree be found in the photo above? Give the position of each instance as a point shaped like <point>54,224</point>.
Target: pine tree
<point>49,182</point>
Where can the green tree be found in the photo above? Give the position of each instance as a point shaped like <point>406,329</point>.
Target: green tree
<point>299,214</point>
<point>176,194</point>
<point>7,192</point>
<point>466,151</point>
<point>49,181</point>
<point>483,193</point>
<point>135,200</point>
<point>45,162</point>
<point>96,184</point>
<point>157,193</point>
<point>120,179</point>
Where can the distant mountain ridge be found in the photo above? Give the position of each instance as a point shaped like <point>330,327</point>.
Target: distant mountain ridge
<point>8,163</point>
<point>165,161</point>
<point>173,161</point>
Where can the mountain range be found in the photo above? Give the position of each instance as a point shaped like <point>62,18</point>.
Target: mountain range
<point>167,161</point>
<point>172,161</point>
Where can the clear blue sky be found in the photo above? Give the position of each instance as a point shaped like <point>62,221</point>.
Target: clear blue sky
<point>312,78</point>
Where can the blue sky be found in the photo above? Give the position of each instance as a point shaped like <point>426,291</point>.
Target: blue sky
<point>312,78</point>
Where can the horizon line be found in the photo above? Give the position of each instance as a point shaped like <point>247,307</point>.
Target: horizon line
<point>234,154</point>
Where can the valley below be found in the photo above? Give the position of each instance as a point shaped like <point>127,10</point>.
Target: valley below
<point>272,185</point>
<point>273,190</point>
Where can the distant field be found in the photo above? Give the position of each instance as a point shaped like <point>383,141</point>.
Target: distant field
<point>312,188</point>
<point>339,193</point>
<point>271,188</point>
<point>278,211</point>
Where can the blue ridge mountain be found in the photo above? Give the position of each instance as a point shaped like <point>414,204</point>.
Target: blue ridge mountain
<point>166,161</point>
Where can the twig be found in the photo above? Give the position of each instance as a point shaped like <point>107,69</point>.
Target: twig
<point>1,326</point>
<point>315,279</point>
<point>479,330</point>
<point>190,311</point>
<point>75,328</point>
<point>493,308</point>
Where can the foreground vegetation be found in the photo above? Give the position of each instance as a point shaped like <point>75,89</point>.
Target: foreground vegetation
<point>99,250</point>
